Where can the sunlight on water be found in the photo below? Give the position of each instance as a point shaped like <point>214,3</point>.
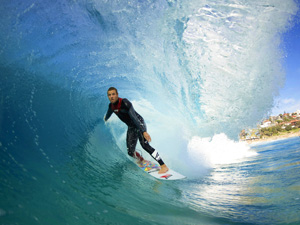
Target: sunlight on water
<point>263,188</point>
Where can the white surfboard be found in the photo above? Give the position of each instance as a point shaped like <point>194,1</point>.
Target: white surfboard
<point>152,169</point>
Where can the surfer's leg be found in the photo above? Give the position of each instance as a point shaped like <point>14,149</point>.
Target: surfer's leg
<point>131,140</point>
<point>145,144</point>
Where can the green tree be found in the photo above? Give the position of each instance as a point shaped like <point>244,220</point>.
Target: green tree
<point>288,128</point>
<point>267,133</point>
<point>278,127</point>
<point>274,130</point>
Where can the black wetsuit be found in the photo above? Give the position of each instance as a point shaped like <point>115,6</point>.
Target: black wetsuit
<point>136,127</point>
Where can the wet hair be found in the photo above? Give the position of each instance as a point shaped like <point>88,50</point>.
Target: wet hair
<point>111,89</point>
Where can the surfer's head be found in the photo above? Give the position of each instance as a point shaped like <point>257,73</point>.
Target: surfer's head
<point>112,94</point>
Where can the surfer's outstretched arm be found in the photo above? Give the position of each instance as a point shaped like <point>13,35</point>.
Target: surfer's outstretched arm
<point>108,114</point>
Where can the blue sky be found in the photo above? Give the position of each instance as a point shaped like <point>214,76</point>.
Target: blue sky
<point>289,98</point>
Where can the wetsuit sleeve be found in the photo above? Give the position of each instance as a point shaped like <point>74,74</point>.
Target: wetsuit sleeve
<point>139,124</point>
<point>108,113</point>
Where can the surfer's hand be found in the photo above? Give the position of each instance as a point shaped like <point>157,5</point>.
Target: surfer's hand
<point>147,136</point>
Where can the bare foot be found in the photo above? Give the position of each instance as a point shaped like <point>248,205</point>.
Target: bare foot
<point>163,169</point>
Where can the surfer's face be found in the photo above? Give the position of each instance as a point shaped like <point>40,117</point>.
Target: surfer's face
<point>112,96</point>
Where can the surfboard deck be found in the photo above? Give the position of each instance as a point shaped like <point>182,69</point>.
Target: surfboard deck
<point>152,169</point>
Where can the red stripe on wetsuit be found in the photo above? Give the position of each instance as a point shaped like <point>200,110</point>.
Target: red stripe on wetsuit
<point>116,108</point>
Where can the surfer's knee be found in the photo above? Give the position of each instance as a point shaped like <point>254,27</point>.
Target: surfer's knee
<point>146,146</point>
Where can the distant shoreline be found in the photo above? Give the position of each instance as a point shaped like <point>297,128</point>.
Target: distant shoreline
<point>273,138</point>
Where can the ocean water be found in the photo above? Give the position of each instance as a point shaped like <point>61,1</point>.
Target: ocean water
<point>197,71</point>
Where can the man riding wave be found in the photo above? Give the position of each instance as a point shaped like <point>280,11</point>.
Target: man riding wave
<point>136,127</point>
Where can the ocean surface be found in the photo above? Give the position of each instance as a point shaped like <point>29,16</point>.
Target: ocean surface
<point>197,71</point>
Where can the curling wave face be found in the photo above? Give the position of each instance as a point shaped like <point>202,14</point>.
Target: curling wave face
<point>198,72</point>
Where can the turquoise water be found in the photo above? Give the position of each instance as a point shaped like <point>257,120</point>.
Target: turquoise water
<point>97,187</point>
<point>191,69</point>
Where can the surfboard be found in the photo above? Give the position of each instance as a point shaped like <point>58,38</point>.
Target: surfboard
<point>152,169</point>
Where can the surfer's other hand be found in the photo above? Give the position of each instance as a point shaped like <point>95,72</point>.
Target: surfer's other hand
<point>147,136</point>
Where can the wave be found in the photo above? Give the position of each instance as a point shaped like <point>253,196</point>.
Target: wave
<point>198,72</point>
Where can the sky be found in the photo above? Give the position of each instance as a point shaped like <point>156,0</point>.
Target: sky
<point>289,97</point>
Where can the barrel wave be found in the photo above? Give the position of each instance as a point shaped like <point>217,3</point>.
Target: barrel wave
<point>197,71</point>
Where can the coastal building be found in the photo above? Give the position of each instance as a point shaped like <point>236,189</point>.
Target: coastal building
<point>266,123</point>
<point>249,134</point>
<point>293,122</point>
<point>272,126</point>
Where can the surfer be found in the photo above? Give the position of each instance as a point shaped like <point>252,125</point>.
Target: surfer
<point>136,127</point>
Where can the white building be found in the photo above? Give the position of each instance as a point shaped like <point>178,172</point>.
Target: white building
<point>266,123</point>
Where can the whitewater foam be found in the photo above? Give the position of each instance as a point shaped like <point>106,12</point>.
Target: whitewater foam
<point>218,150</point>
